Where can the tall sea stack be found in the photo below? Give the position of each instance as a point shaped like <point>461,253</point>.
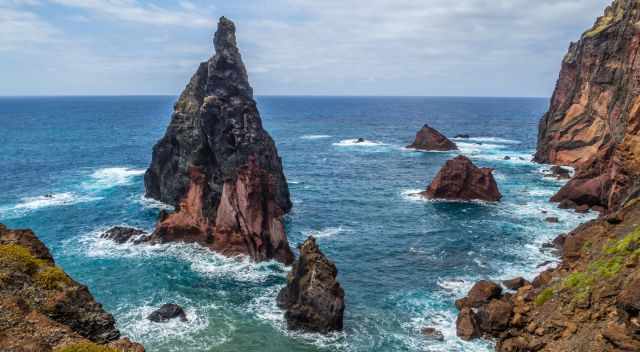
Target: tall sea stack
<point>593,122</point>
<point>218,166</point>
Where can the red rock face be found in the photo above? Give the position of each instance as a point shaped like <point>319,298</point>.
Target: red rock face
<point>593,121</point>
<point>430,139</point>
<point>460,179</point>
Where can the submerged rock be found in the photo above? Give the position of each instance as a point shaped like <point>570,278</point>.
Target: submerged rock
<point>167,312</point>
<point>460,179</point>
<point>430,139</point>
<point>360,140</point>
<point>218,167</point>
<point>313,299</point>
<point>463,136</point>
<point>42,308</point>
<point>433,333</point>
<point>121,235</point>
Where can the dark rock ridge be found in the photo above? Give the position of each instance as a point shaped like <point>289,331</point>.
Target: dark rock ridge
<point>460,179</point>
<point>430,139</point>
<point>120,234</point>
<point>313,299</point>
<point>218,166</point>
<point>167,312</point>
<point>42,308</point>
<point>593,123</point>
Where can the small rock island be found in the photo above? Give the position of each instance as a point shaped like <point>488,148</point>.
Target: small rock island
<point>313,299</point>
<point>429,138</point>
<point>460,179</point>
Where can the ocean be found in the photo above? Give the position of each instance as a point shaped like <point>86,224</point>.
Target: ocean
<point>71,167</point>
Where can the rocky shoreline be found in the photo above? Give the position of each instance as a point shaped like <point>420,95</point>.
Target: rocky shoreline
<point>43,309</point>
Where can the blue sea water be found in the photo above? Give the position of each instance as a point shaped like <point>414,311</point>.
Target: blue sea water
<point>402,260</point>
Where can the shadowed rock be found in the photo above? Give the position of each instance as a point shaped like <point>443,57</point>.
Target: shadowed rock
<point>121,235</point>
<point>218,167</point>
<point>167,312</point>
<point>313,299</point>
<point>460,179</point>
<point>430,139</point>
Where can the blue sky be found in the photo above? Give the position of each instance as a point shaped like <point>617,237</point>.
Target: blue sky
<point>292,47</point>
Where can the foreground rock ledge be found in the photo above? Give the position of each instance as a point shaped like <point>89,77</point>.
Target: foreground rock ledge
<point>42,308</point>
<point>218,167</point>
<point>313,299</point>
<point>429,138</point>
<point>460,179</point>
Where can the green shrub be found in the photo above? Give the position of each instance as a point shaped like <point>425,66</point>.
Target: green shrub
<point>52,278</point>
<point>18,258</point>
<point>544,296</point>
<point>85,347</point>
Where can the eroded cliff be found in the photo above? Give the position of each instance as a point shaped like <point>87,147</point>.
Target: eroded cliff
<point>593,122</point>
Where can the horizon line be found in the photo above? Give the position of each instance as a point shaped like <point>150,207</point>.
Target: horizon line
<point>275,96</point>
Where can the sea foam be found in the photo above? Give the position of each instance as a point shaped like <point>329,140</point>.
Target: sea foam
<point>112,177</point>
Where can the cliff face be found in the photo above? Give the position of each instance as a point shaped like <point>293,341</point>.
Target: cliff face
<point>593,122</point>
<point>42,308</point>
<point>218,166</point>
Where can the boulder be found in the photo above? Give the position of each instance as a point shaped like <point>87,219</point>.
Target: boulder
<point>560,172</point>
<point>460,179</point>
<point>495,316</point>
<point>218,166</point>
<point>482,292</point>
<point>313,298</point>
<point>430,139</point>
<point>467,325</point>
<point>515,283</point>
<point>552,219</point>
<point>629,298</point>
<point>167,312</point>
<point>122,235</point>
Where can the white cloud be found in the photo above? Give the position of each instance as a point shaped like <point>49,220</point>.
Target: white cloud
<point>134,11</point>
<point>20,28</point>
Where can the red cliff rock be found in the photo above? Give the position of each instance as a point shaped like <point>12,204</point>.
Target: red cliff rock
<point>460,179</point>
<point>430,139</point>
<point>593,122</point>
<point>219,167</point>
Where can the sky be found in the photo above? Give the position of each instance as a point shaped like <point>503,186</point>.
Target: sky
<point>292,47</point>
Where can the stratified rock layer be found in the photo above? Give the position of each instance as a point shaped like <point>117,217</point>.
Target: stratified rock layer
<point>313,299</point>
<point>41,307</point>
<point>430,139</point>
<point>460,179</point>
<point>219,167</point>
<point>593,122</point>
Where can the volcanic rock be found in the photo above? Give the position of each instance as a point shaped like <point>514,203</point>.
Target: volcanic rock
<point>482,292</point>
<point>433,333</point>
<point>463,136</point>
<point>430,139</point>
<point>42,308</point>
<point>467,325</point>
<point>460,179</point>
<point>560,172</point>
<point>121,235</point>
<point>218,167</point>
<point>360,140</point>
<point>167,312</point>
<point>593,120</point>
<point>552,219</point>
<point>312,298</point>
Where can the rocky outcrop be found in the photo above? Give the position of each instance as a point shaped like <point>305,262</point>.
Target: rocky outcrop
<point>218,166</point>
<point>430,139</point>
<point>41,307</point>
<point>167,312</point>
<point>460,179</point>
<point>593,122</point>
<point>589,302</point>
<point>312,298</point>
<point>120,235</point>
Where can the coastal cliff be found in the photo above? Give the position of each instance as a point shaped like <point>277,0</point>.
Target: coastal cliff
<point>591,300</point>
<point>593,122</point>
<point>43,309</point>
<point>218,166</point>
